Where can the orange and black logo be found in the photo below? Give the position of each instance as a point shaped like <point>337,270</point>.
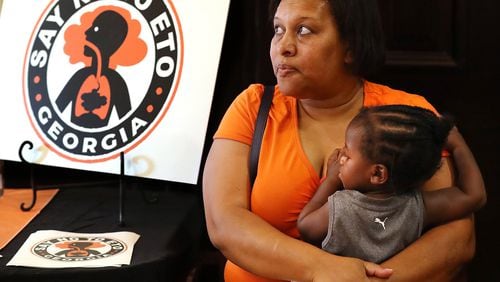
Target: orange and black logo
<point>68,249</point>
<point>100,75</point>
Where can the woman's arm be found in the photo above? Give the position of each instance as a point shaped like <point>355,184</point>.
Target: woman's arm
<point>252,243</point>
<point>441,252</point>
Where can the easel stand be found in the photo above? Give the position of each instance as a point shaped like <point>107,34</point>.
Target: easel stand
<point>36,187</point>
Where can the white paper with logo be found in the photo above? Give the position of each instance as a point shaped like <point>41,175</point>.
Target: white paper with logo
<point>59,249</point>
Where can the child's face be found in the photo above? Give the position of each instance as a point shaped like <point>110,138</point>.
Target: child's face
<point>355,169</point>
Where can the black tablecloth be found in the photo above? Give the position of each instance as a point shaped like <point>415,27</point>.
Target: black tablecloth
<point>169,220</point>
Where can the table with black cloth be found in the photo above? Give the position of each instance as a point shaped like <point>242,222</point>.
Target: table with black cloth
<point>168,218</point>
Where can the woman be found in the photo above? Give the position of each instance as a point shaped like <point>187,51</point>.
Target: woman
<point>320,52</point>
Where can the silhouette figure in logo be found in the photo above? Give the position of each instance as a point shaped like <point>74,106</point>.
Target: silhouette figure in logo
<point>78,249</point>
<point>382,222</point>
<point>98,89</point>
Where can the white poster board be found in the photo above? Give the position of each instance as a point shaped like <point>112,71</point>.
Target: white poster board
<point>86,80</point>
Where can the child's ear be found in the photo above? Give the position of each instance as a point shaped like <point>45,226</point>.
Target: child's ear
<point>379,174</point>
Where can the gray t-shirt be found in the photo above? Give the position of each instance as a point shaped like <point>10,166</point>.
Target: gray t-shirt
<point>372,229</point>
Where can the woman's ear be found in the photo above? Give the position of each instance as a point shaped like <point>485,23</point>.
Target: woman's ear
<point>348,55</point>
<point>348,59</point>
<point>379,174</point>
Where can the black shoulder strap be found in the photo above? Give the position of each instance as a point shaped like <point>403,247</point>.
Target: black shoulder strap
<point>260,125</point>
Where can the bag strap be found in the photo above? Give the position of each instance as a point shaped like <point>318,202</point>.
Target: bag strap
<point>260,125</point>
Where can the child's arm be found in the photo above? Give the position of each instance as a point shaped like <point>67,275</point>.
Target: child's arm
<point>313,219</point>
<point>467,196</point>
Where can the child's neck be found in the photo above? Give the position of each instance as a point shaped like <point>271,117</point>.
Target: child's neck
<point>379,192</point>
<point>379,195</point>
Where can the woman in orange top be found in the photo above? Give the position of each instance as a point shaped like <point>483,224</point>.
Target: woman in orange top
<point>321,50</point>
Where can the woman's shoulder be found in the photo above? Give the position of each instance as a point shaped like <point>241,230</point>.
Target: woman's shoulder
<point>379,94</point>
<point>251,97</point>
<point>239,120</point>
<point>254,90</point>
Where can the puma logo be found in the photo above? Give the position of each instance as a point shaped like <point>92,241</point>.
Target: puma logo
<point>382,222</point>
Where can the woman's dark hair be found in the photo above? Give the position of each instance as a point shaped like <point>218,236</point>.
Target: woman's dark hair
<point>408,140</point>
<point>359,24</point>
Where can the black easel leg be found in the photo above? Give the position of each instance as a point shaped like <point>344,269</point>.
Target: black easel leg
<point>122,167</point>
<point>32,176</point>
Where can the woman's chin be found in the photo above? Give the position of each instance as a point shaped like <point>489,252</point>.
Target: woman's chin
<point>287,87</point>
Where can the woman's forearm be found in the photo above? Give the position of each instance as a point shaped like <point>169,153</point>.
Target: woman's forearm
<point>243,237</point>
<point>254,245</point>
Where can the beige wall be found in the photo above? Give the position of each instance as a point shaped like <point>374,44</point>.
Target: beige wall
<point>1,1</point>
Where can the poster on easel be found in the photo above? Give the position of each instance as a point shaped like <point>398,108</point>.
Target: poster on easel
<point>86,80</point>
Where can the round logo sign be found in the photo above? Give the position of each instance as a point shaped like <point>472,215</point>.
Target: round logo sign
<point>100,75</point>
<point>70,249</point>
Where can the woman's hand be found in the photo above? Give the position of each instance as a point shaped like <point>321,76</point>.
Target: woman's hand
<point>349,269</point>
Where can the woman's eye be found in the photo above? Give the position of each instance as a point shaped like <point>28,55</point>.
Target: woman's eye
<point>278,30</point>
<point>304,30</point>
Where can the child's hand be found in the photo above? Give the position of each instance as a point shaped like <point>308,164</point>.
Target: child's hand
<point>454,140</point>
<point>334,164</point>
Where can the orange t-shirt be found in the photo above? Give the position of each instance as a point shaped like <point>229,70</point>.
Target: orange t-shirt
<point>286,178</point>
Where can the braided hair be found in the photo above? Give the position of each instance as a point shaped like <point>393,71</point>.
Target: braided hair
<point>408,140</point>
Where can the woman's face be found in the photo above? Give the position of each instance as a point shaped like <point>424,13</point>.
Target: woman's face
<point>309,58</point>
